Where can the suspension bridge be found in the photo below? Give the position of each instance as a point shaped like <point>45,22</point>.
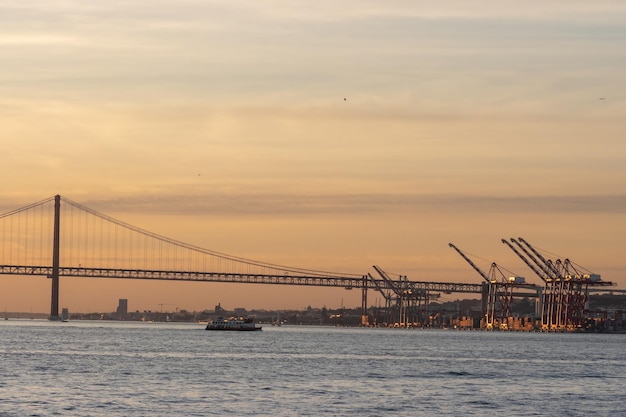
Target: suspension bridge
<point>58,237</point>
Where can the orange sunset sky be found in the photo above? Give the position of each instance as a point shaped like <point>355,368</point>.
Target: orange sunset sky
<point>319,134</point>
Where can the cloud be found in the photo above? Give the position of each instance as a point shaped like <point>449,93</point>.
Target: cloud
<point>262,204</point>
<point>36,39</point>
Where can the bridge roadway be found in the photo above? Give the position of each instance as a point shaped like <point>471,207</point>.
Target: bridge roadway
<point>318,281</point>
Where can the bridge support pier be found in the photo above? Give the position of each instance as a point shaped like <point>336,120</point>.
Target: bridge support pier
<point>484,299</point>
<point>54,307</point>
<point>364,317</point>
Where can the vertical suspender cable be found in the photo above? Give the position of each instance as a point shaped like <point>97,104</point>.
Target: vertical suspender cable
<point>129,261</point>
<point>10,240</point>
<point>114,250</point>
<point>24,250</point>
<point>38,235</point>
<point>4,240</point>
<point>100,251</point>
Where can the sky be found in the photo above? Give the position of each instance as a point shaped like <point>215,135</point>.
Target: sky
<point>319,134</point>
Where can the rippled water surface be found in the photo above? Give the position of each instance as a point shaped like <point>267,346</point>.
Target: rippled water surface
<point>152,369</point>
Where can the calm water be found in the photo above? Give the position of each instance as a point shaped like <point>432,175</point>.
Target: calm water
<point>150,369</point>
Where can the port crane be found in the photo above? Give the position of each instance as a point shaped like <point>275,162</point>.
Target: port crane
<point>565,294</point>
<point>408,298</point>
<point>554,305</point>
<point>387,295</point>
<point>402,295</point>
<point>543,271</point>
<point>499,293</point>
<point>566,289</point>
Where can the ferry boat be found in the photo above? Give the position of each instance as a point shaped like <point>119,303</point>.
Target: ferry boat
<point>236,324</point>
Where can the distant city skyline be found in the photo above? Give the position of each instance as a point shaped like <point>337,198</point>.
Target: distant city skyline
<point>320,135</point>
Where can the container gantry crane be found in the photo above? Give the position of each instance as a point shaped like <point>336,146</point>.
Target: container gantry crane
<point>387,295</point>
<point>557,294</point>
<point>408,298</point>
<point>552,305</point>
<point>498,296</point>
<point>566,289</point>
<point>535,268</point>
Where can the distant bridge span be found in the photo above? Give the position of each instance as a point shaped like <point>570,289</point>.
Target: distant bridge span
<point>316,281</point>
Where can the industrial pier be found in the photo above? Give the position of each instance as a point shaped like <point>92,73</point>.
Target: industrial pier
<point>561,303</point>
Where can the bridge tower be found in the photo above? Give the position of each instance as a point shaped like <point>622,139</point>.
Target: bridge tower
<point>54,308</point>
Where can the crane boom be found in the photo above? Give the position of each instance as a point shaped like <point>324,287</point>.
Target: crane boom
<point>542,265</point>
<point>388,280</point>
<point>469,261</point>
<point>523,258</point>
<point>378,287</point>
<point>551,270</point>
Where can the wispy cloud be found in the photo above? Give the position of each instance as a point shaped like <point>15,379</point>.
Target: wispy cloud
<point>37,39</point>
<point>262,204</point>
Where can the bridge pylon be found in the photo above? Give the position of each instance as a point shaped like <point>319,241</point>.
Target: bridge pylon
<point>54,307</point>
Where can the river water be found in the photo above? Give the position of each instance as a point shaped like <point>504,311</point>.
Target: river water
<point>161,369</point>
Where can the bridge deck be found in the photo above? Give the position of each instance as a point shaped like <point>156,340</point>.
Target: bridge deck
<point>319,281</point>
